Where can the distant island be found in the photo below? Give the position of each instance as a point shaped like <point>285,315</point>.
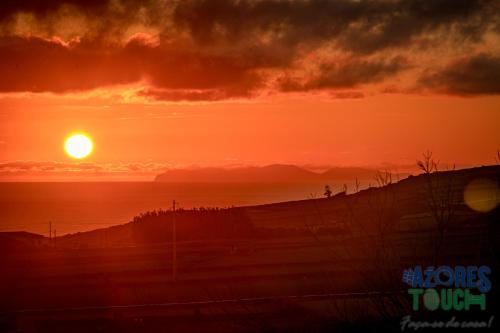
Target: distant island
<point>276,173</point>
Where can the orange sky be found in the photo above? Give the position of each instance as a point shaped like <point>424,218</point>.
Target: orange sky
<point>173,84</point>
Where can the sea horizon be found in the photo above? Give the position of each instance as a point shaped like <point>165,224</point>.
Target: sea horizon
<point>29,206</point>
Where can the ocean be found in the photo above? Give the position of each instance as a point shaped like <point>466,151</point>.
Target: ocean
<point>83,206</point>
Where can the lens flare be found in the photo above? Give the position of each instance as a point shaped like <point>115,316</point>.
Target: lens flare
<point>482,195</point>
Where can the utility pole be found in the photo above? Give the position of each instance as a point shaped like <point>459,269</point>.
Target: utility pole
<point>50,231</point>
<point>174,245</point>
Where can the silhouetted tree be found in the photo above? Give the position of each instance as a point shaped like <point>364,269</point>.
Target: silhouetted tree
<point>328,191</point>
<point>383,178</point>
<point>357,185</point>
<point>441,198</point>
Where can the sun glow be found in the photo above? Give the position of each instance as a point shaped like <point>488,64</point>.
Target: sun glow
<point>78,146</point>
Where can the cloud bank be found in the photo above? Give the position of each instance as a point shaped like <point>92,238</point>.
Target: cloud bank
<point>206,50</point>
<point>52,170</point>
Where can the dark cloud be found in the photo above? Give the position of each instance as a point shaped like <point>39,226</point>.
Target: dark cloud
<point>42,8</point>
<point>219,49</point>
<point>39,65</point>
<point>400,23</point>
<point>359,26</point>
<point>475,75</point>
<point>345,74</point>
<point>91,8</point>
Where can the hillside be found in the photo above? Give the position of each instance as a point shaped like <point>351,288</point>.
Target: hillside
<point>282,265</point>
<point>14,241</point>
<point>407,200</point>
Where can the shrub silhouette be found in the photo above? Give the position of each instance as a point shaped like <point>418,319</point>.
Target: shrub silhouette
<point>194,224</point>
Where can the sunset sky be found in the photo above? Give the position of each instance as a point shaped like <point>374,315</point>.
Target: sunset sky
<point>160,84</point>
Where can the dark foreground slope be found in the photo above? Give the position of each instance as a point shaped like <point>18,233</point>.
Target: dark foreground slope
<point>323,264</point>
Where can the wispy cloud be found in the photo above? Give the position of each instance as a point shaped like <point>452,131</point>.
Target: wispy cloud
<point>50,170</point>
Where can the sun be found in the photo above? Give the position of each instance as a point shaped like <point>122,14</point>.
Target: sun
<point>78,146</point>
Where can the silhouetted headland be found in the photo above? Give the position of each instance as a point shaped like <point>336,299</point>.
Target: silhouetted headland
<point>276,173</point>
